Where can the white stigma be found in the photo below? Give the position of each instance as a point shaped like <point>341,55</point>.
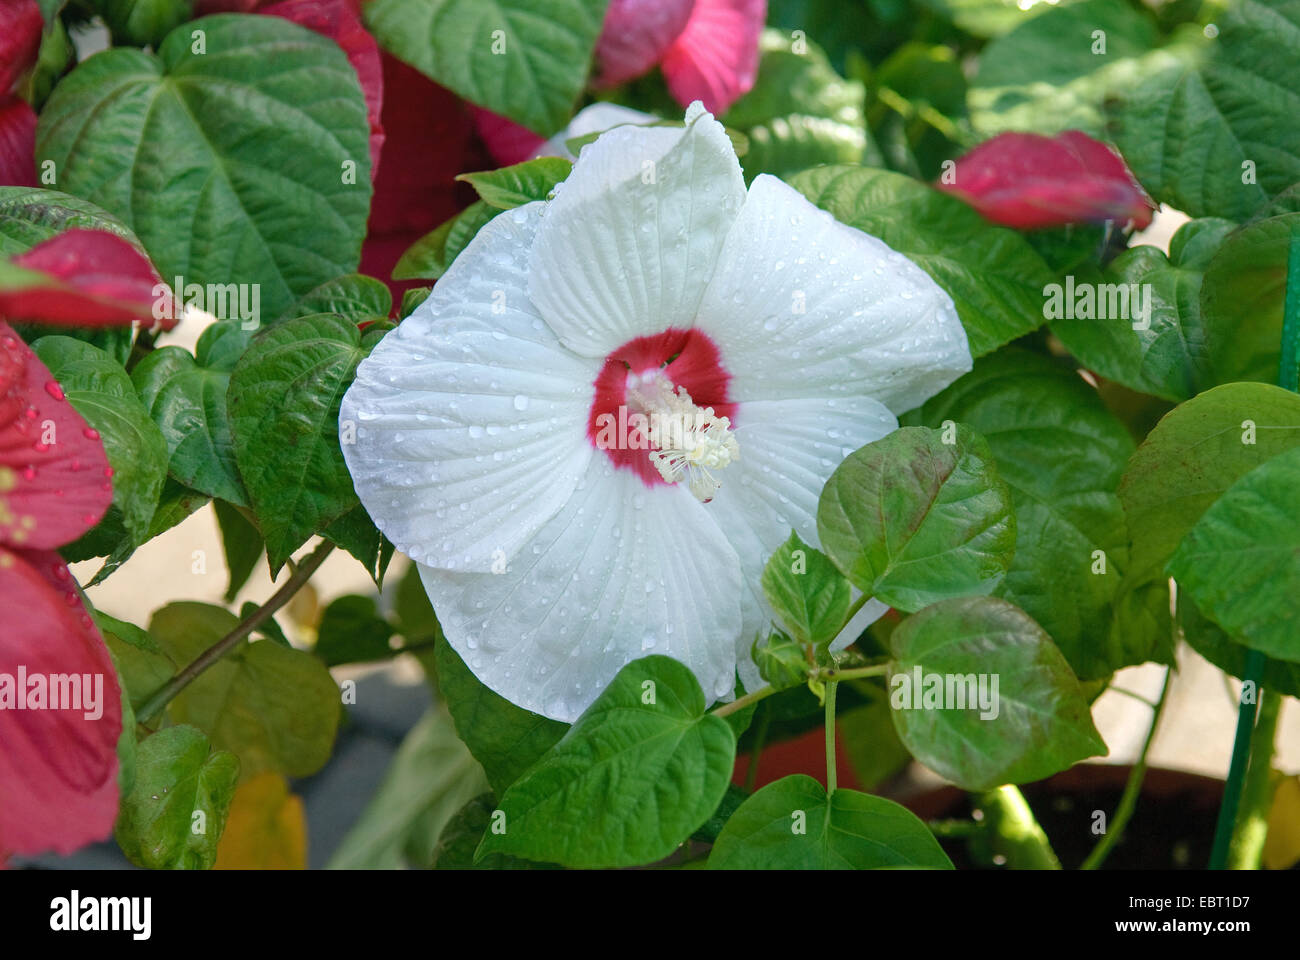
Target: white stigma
<point>690,441</point>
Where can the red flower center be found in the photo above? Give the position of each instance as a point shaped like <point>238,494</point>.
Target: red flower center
<point>618,422</point>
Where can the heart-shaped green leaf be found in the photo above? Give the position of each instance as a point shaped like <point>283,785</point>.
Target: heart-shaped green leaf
<point>792,825</point>
<point>983,697</point>
<point>524,59</point>
<point>239,154</point>
<point>637,773</point>
<point>918,516</point>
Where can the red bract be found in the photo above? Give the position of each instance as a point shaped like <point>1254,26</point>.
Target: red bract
<point>429,141</point>
<point>715,60</point>
<point>708,49</point>
<point>508,142</point>
<point>636,35</point>
<point>1027,181</point>
<point>340,21</point>
<point>58,766</point>
<point>17,143</point>
<point>85,278</point>
<point>54,476</point>
<point>20,39</point>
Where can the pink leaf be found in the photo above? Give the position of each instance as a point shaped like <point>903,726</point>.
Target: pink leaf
<point>58,768</point>
<point>1028,181</point>
<point>715,60</point>
<point>55,481</point>
<point>507,141</point>
<point>17,143</point>
<point>20,40</point>
<point>636,35</point>
<point>83,278</point>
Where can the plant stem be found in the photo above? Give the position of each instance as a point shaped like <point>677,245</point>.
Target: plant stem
<point>1247,844</point>
<point>1015,833</point>
<point>825,674</point>
<point>830,738</point>
<point>208,657</point>
<point>1288,377</point>
<point>1128,801</point>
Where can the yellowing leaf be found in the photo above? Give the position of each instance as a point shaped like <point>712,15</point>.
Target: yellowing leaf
<point>266,828</point>
<point>1282,848</point>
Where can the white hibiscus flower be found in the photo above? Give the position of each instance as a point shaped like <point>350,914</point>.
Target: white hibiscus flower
<point>501,428</point>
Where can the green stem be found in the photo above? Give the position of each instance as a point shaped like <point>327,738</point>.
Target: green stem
<point>155,704</point>
<point>1014,832</point>
<point>1128,801</point>
<point>830,738</point>
<point>1247,844</point>
<point>1288,377</point>
<point>825,674</point>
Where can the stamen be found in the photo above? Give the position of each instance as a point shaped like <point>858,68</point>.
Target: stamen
<point>689,442</point>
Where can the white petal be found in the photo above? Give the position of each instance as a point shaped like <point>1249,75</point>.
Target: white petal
<point>597,117</point>
<point>622,572</point>
<point>471,416</point>
<point>802,305</point>
<point>627,245</point>
<point>788,450</point>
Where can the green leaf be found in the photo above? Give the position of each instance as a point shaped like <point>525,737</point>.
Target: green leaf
<point>242,544</point>
<point>524,59</point>
<point>1194,130</point>
<point>174,815</point>
<point>1193,456</point>
<point>871,743</point>
<point>1033,723</point>
<point>800,112</point>
<point>141,663</point>
<point>911,519</point>
<point>461,836</point>
<point>432,777</point>
<point>100,390</point>
<point>1205,637</point>
<point>431,256</point>
<point>1168,357</point>
<point>352,631</point>
<point>1242,299</point>
<point>356,533</point>
<point>792,825</point>
<point>415,617</point>
<point>635,776</point>
<point>357,297</point>
<point>781,661</point>
<point>248,162</point>
<point>1049,74</point>
<point>29,216</point>
<point>988,18</point>
<point>504,738</point>
<point>992,274</point>
<point>1241,562</point>
<point>284,411</point>
<point>806,592</point>
<point>522,183</point>
<point>1061,453</point>
<point>143,23</point>
<point>796,83</point>
<point>413,298</point>
<point>274,707</point>
<point>188,403</point>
